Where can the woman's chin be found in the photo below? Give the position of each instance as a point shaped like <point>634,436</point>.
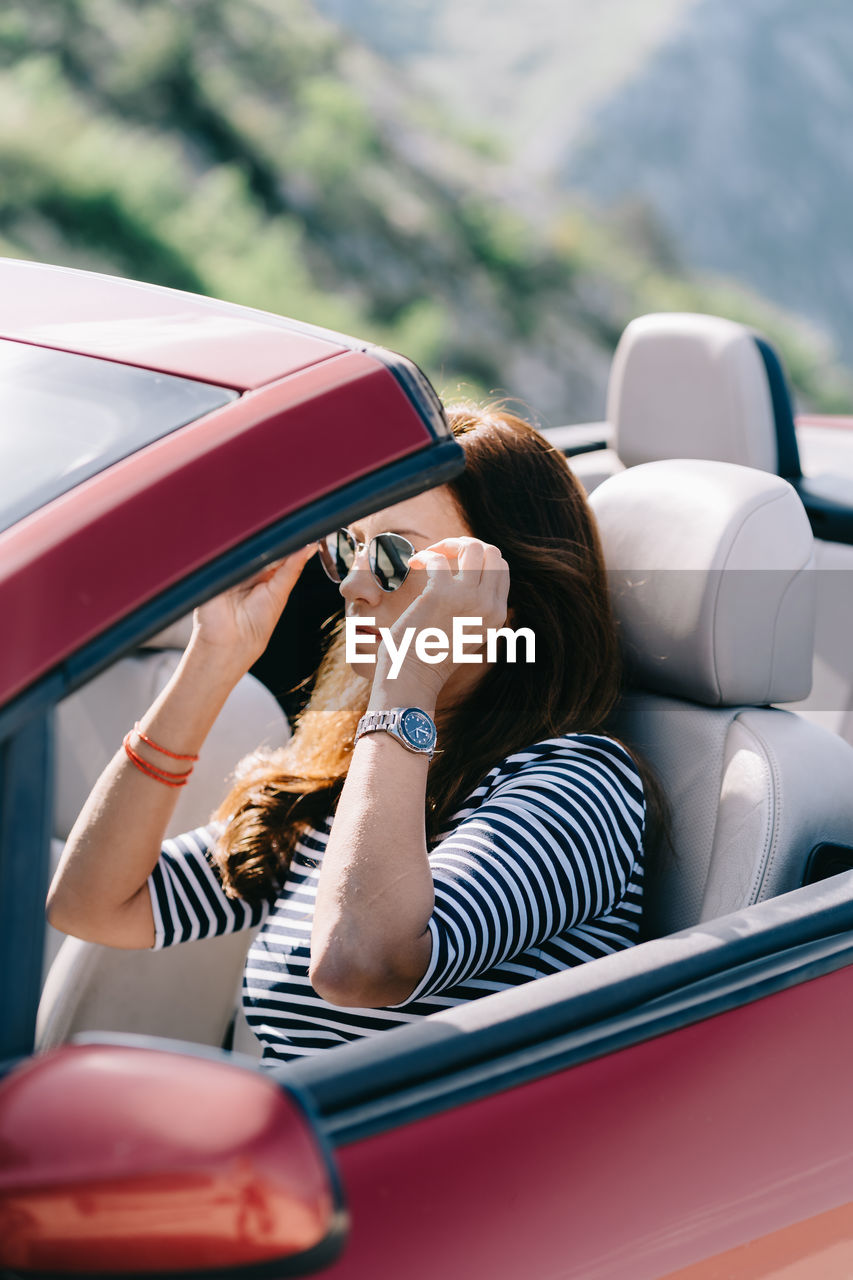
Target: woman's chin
<point>364,670</point>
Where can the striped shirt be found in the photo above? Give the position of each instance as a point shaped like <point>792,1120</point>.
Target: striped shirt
<point>540,869</point>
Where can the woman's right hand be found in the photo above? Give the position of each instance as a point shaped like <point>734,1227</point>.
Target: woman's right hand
<point>236,626</point>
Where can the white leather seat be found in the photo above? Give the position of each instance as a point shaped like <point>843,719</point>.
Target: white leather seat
<point>712,573</point>
<point>686,386</point>
<point>696,386</point>
<point>186,992</point>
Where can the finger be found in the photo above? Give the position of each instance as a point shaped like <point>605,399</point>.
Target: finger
<point>281,572</point>
<point>465,545</point>
<point>454,549</point>
<point>304,554</point>
<point>447,547</point>
<point>455,542</point>
<point>495,574</point>
<point>430,558</point>
<point>450,546</point>
<point>471,559</point>
<point>289,569</point>
<point>495,568</point>
<point>499,582</point>
<point>264,575</point>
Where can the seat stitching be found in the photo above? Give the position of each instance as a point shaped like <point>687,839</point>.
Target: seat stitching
<point>774,796</point>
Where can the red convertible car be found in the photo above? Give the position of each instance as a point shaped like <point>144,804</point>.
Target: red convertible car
<point>675,1109</point>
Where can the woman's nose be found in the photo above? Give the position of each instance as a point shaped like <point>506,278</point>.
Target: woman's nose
<point>360,584</point>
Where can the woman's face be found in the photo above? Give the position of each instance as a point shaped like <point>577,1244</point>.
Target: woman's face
<point>422,520</point>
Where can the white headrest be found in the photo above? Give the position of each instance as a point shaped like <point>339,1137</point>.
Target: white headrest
<point>691,386</point>
<point>709,573</point>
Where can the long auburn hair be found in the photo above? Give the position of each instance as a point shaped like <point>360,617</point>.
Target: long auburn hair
<point>518,492</point>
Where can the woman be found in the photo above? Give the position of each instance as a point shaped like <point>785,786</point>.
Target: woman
<point>509,848</point>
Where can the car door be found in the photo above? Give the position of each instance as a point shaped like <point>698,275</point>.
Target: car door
<point>127,532</point>
<point>676,1110</point>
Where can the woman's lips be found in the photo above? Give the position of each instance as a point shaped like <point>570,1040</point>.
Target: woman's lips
<point>367,631</point>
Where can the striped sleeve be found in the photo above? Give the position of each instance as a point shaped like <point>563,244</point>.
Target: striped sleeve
<point>187,897</point>
<point>553,845</point>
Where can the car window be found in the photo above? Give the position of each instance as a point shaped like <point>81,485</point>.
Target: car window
<point>65,417</point>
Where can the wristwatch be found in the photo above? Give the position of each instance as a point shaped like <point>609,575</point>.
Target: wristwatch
<point>412,728</point>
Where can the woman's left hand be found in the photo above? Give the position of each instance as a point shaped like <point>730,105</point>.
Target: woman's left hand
<point>463,578</point>
<point>238,623</point>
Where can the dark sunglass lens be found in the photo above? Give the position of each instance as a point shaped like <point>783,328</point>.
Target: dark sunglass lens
<point>389,559</point>
<point>337,553</point>
<point>345,552</point>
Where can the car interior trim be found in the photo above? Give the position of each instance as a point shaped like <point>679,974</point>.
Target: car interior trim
<point>830,517</point>
<point>581,437</point>
<point>827,860</point>
<point>788,464</point>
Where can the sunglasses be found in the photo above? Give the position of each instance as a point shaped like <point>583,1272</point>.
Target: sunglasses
<point>388,555</point>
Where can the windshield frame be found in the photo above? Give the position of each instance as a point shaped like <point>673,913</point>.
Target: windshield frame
<point>109,411</point>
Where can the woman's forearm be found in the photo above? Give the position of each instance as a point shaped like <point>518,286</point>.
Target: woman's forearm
<point>369,943</point>
<point>99,891</point>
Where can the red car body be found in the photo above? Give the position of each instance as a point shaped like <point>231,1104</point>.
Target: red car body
<point>311,417</point>
<point>676,1109</point>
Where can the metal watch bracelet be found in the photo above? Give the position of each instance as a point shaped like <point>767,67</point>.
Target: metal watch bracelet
<point>391,722</point>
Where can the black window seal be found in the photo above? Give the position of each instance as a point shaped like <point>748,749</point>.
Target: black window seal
<point>831,519</point>
<point>787,452</point>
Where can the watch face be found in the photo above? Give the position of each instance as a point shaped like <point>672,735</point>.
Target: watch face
<point>418,729</point>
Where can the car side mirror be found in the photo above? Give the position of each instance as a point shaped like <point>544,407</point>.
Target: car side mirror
<point>120,1160</point>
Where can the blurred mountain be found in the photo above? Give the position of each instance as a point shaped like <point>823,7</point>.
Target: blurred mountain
<point>727,121</point>
<point>530,73</point>
<point>256,152</point>
<point>737,136</point>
